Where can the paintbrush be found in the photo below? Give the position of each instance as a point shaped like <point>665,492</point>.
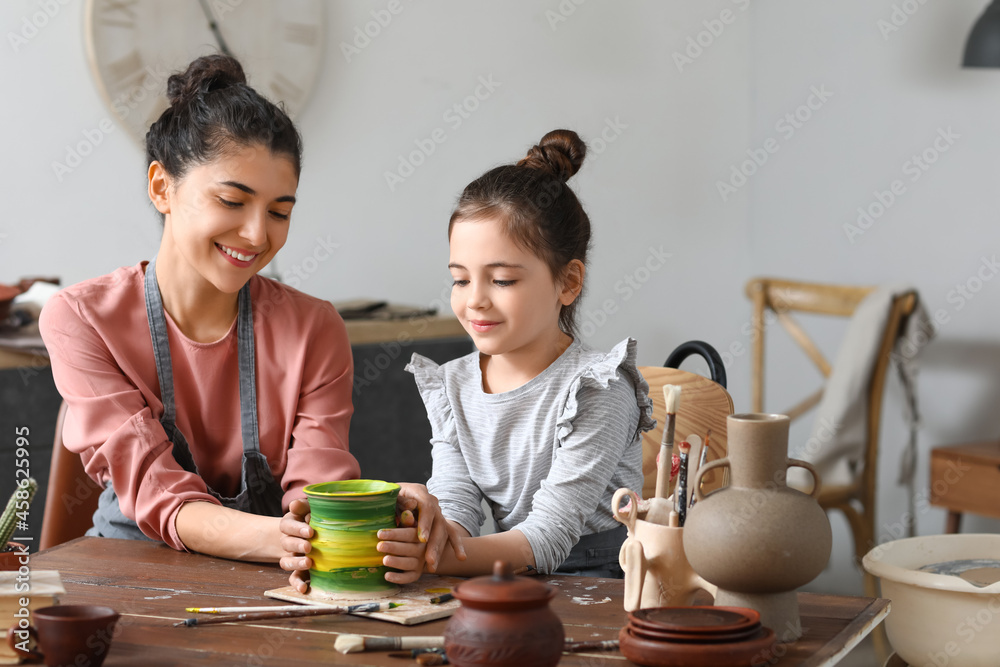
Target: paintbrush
<point>242,610</point>
<point>311,610</point>
<point>359,643</point>
<point>659,506</point>
<point>701,462</point>
<point>680,493</point>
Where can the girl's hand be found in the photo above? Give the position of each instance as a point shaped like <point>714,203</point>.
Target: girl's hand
<point>423,543</point>
<point>295,534</point>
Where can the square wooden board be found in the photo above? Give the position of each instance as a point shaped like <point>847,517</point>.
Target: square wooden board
<point>414,597</point>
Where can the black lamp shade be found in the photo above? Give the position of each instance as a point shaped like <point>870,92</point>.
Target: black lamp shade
<point>983,46</point>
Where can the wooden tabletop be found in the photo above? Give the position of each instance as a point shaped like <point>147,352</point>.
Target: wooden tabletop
<point>151,584</point>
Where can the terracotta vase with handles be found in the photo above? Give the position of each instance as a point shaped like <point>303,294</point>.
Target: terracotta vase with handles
<point>757,539</point>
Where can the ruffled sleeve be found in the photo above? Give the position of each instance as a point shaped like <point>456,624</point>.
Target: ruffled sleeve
<point>606,409</point>
<point>620,360</point>
<point>459,497</point>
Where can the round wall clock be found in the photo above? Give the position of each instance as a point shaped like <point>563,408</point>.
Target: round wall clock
<point>134,45</point>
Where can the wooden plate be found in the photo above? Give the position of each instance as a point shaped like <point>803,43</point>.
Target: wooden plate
<point>695,620</point>
<point>671,654</point>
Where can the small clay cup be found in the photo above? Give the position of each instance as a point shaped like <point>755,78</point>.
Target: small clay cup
<point>67,635</point>
<point>11,560</point>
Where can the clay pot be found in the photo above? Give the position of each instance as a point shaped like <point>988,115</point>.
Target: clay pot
<point>11,560</point>
<point>347,516</point>
<point>504,621</point>
<point>657,572</point>
<point>757,539</point>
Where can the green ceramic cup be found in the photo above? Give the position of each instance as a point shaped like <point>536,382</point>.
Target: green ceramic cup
<point>347,516</point>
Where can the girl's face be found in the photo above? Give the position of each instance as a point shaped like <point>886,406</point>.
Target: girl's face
<point>504,296</point>
<point>228,218</point>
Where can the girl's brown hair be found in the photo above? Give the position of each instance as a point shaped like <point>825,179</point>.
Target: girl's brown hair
<point>535,207</point>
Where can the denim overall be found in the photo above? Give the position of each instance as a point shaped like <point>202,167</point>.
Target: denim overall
<point>259,492</point>
<point>596,555</point>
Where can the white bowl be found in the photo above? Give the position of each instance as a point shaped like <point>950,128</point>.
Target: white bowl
<point>936,619</point>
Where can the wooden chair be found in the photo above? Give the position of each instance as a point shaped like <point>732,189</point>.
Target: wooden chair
<point>781,297</point>
<point>704,405</point>
<point>71,497</point>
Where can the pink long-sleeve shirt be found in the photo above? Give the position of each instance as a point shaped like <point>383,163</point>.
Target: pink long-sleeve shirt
<point>98,339</point>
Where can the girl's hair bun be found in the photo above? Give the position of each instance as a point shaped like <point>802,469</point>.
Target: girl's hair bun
<point>204,75</point>
<point>560,152</point>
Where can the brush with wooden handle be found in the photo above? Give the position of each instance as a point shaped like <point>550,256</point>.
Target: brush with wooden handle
<point>659,506</point>
<point>358,643</point>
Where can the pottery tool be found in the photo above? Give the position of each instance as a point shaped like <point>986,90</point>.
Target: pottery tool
<point>576,647</point>
<point>659,506</point>
<point>424,656</point>
<point>680,492</point>
<point>291,613</point>
<point>701,462</point>
<point>358,643</point>
<point>441,599</point>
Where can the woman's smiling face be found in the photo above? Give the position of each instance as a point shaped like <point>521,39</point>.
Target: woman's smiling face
<point>228,218</point>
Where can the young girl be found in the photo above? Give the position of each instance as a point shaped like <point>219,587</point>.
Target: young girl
<point>202,396</point>
<point>539,425</point>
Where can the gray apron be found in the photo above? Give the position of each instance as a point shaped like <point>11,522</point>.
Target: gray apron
<point>259,492</point>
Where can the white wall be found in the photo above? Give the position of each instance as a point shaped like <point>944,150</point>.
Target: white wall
<point>654,185</point>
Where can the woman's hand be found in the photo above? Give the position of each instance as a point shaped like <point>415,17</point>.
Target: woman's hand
<point>407,548</point>
<point>295,534</point>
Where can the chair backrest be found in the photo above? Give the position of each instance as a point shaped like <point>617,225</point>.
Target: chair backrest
<point>703,405</point>
<point>71,497</point>
<point>783,297</point>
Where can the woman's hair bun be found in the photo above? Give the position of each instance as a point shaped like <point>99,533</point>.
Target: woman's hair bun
<point>204,75</point>
<point>560,152</point>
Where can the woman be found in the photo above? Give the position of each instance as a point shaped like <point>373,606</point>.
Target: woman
<point>201,395</point>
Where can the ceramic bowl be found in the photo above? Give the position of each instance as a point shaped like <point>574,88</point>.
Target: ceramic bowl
<point>938,619</point>
<point>347,516</point>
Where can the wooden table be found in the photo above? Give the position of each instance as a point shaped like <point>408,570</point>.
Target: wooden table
<point>150,584</point>
<point>966,478</point>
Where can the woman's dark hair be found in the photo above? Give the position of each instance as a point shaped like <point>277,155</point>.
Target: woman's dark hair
<point>213,110</point>
<point>535,207</point>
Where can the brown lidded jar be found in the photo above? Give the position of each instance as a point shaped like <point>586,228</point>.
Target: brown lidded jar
<point>504,621</point>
